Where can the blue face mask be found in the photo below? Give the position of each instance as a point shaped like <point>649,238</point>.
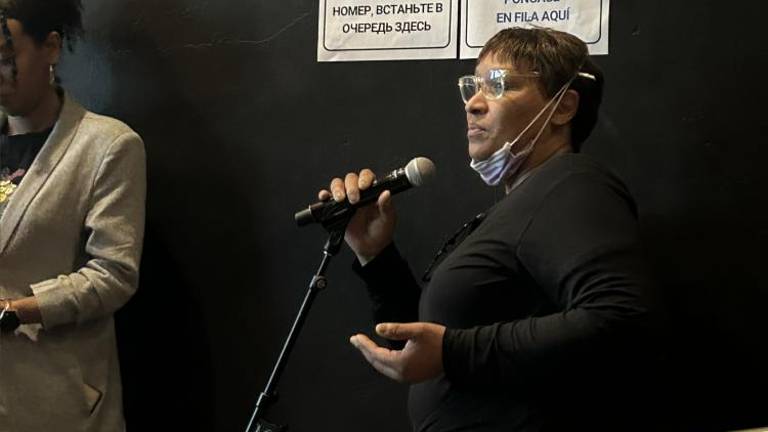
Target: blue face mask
<point>504,163</point>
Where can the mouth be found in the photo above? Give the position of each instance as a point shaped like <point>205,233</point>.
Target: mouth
<point>474,130</point>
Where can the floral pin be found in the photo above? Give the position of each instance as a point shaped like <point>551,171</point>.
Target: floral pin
<point>7,186</point>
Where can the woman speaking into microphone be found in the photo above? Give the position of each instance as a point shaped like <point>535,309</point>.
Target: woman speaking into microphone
<point>535,319</point>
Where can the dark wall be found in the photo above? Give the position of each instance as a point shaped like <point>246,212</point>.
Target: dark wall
<point>242,126</point>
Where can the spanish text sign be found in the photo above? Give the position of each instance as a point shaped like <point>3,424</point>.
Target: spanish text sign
<point>587,19</point>
<point>387,30</point>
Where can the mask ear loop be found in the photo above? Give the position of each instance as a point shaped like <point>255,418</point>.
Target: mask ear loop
<point>8,42</point>
<point>558,96</point>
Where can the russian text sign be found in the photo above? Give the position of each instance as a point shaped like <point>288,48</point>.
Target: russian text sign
<point>351,30</point>
<point>481,19</point>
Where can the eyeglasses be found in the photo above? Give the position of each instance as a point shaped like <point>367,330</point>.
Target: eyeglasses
<point>451,245</point>
<point>493,84</point>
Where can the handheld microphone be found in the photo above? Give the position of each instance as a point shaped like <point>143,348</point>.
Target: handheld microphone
<point>418,171</point>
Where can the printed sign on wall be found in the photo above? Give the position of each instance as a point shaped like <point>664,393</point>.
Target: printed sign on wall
<point>481,19</point>
<point>351,30</point>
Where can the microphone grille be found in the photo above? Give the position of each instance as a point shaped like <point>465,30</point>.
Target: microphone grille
<point>420,170</point>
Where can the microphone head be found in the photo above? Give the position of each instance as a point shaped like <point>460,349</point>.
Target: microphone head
<point>420,170</point>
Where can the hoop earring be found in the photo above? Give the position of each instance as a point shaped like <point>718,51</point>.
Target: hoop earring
<point>51,75</point>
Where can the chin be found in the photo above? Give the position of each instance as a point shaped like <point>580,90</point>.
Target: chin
<point>7,107</point>
<point>480,150</point>
<point>473,152</point>
<point>11,109</point>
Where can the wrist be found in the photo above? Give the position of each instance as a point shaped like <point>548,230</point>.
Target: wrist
<point>364,259</point>
<point>27,309</point>
<point>9,319</point>
<point>369,255</point>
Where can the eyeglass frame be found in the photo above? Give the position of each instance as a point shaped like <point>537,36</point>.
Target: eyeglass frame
<point>482,82</point>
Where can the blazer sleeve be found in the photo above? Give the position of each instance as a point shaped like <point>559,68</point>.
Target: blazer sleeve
<point>113,232</point>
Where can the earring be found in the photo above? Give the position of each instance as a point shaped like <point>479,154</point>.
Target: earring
<point>51,75</point>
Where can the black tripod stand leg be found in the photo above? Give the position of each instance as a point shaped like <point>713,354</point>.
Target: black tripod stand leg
<point>265,426</point>
<point>318,283</point>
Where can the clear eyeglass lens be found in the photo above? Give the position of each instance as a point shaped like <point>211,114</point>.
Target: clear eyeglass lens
<point>468,87</point>
<point>494,84</point>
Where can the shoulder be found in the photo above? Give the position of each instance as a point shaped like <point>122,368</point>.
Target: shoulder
<point>100,139</point>
<point>580,185</point>
<point>106,141</point>
<point>572,165</point>
<point>577,174</point>
<point>108,145</point>
<point>91,129</point>
<point>106,129</point>
<point>572,180</point>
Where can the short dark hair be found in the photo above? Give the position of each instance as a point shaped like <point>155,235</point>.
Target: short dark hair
<point>41,17</point>
<point>557,56</point>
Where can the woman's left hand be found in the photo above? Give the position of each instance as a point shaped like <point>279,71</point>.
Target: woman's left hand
<point>421,358</point>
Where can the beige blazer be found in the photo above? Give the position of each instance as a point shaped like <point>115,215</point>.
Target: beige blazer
<point>71,236</point>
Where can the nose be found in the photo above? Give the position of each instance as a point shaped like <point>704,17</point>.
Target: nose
<point>476,105</point>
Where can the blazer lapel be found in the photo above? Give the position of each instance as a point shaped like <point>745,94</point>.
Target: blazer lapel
<point>50,154</point>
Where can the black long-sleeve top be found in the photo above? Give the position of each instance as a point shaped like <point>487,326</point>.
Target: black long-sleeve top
<point>544,305</point>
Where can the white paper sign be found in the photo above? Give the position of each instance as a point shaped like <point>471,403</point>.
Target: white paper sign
<point>351,30</point>
<point>587,19</point>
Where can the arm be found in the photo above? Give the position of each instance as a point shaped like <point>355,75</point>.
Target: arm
<point>391,285</point>
<point>114,228</point>
<point>392,288</point>
<point>581,247</point>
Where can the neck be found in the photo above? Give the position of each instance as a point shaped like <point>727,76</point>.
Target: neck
<point>544,150</point>
<point>42,117</point>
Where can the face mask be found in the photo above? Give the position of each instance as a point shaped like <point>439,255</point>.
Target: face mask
<point>505,163</point>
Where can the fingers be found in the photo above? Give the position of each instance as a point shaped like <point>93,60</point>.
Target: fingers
<point>382,359</point>
<point>369,347</point>
<point>349,187</point>
<point>337,189</point>
<point>398,331</point>
<point>386,209</point>
<point>353,190</point>
<point>365,179</point>
<point>421,358</point>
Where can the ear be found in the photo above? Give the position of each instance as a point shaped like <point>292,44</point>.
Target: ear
<point>567,109</point>
<point>52,46</point>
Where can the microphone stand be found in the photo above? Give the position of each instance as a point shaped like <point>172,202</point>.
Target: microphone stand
<point>319,282</point>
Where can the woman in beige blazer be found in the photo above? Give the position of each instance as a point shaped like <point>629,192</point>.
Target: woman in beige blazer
<point>72,190</point>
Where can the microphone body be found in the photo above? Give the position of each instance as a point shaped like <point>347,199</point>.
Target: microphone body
<point>401,179</point>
